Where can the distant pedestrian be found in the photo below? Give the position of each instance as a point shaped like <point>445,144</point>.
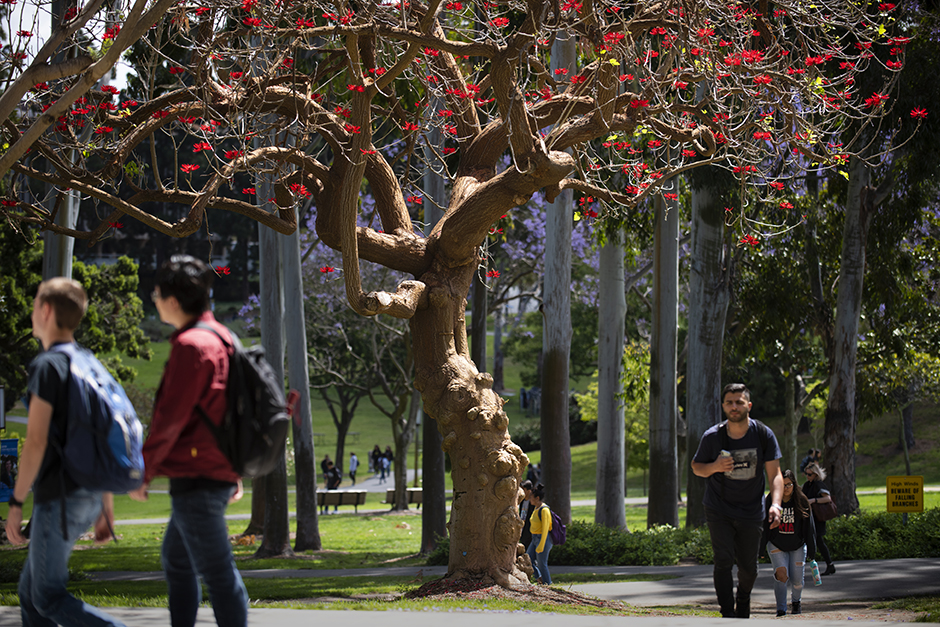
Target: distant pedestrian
<point>816,492</point>
<point>790,545</point>
<point>525,508</point>
<point>390,456</point>
<point>383,467</point>
<point>353,466</point>
<point>333,478</point>
<point>324,463</point>
<point>812,455</point>
<point>733,457</point>
<point>375,456</point>
<point>540,524</point>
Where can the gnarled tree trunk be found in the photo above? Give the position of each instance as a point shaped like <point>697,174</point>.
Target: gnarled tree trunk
<point>484,520</point>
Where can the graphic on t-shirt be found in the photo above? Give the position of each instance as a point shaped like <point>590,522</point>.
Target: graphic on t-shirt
<point>787,521</point>
<point>745,464</point>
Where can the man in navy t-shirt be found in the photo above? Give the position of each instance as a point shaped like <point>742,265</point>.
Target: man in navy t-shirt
<point>733,457</point>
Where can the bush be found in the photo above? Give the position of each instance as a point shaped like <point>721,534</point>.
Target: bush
<point>868,536</point>
<point>441,554</point>
<point>595,545</point>
<point>880,535</point>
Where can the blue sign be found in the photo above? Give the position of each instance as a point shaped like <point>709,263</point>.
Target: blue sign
<point>9,466</point>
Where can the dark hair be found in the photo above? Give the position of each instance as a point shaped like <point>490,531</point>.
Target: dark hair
<point>188,280</point>
<point>538,491</point>
<point>735,388</point>
<point>802,503</point>
<point>526,485</point>
<point>67,298</point>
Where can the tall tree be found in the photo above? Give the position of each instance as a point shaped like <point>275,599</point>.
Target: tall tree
<point>709,296</point>
<point>611,462</point>
<point>356,90</point>
<point>663,508</point>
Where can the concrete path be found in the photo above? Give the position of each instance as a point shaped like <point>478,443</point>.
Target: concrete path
<point>690,586</point>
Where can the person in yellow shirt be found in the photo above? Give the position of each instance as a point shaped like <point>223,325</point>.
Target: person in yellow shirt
<point>540,523</point>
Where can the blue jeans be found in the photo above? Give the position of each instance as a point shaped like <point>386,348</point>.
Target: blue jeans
<point>44,599</point>
<point>793,563</point>
<point>196,545</point>
<point>734,541</point>
<point>540,560</point>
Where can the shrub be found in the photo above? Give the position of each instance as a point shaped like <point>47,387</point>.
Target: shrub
<point>880,535</point>
<point>595,545</point>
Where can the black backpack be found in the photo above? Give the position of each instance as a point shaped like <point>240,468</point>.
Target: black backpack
<point>254,429</point>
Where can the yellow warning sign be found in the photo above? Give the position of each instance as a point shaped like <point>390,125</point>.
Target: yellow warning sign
<point>906,493</point>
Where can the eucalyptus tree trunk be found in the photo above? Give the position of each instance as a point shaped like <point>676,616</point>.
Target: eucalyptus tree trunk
<point>663,508</point>
<point>58,249</point>
<point>403,431</point>
<point>276,520</point>
<point>610,510</point>
<point>434,497</point>
<point>478,325</point>
<point>709,296</point>
<point>791,420</point>
<point>498,382</point>
<point>841,416</point>
<point>305,474</point>
<point>556,343</point>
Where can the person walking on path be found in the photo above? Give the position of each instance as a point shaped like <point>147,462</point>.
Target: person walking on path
<point>353,466</point>
<point>816,492</point>
<point>525,509</point>
<point>733,457</point>
<point>333,478</point>
<point>540,524</point>
<point>58,309</point>
<point>181,447</point>
<point>376,457</point>
<point>790,545</point>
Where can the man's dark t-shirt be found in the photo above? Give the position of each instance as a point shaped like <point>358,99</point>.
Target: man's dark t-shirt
<point>49,380</point>
<point>741,494</point>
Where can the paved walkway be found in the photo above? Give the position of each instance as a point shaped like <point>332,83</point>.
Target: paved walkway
<point>690,585</point>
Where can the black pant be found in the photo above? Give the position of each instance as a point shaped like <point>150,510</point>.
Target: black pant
<point>820,540</point>
<point>734,541</point>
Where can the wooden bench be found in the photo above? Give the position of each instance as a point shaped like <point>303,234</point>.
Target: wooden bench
<point>414,496</point>
<point>334,498</point>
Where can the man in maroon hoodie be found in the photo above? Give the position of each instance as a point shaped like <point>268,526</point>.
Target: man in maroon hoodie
<point>181,446</point>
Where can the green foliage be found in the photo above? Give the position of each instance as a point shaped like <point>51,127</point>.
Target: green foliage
<point>20,273</point>
<point>880,535</point>
<point>114,314</point>
<point>112,322</point>
<point>596,545</point>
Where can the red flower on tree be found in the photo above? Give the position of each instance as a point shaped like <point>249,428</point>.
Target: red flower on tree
<point>223,270</point>
<point>233,154</point>
<point>199,147</point>
<point>919,113</point>
<point>492,274</point>
<point>326,269</point>
<point>248,190</point>
<point>116,225</point>
<point>299,190</point>
<point>189,168</point>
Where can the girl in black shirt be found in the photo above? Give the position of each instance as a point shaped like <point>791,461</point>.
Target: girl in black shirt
<point>790,544</point>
